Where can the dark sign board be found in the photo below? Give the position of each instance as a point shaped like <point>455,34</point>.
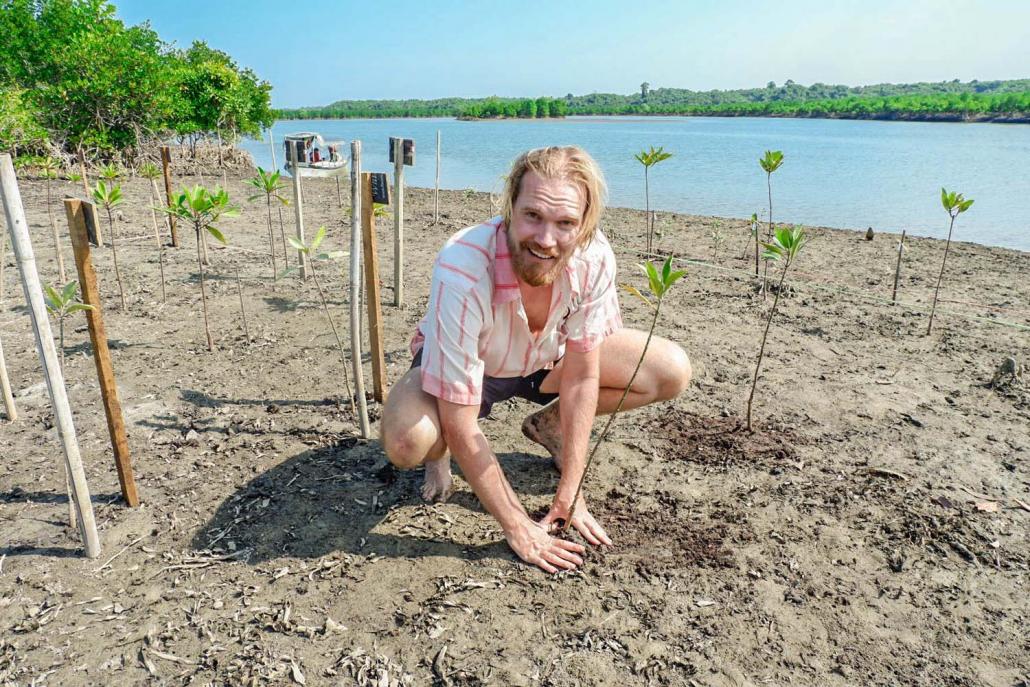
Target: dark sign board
<point>380,188</point>
<point>409,150</point>
<point>91,227</point>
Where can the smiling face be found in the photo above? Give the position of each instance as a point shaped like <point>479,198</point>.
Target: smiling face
<point>546,223</point>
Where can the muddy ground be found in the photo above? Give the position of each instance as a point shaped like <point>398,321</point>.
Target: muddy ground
<point>872,532</point>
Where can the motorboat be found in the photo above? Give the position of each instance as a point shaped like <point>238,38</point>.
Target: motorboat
<point>315,156</point>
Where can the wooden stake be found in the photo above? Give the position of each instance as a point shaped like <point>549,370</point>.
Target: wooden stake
<point>298,202</point>
<point>5,388</point>
<point>76,211</point>
<point>375,312</point>
<point>85,189</point>
<point>22,244</point>
<point>166,161</point>
<point>355,286</point>
<point>243,308</point>
<point>271,147</point>
<point>398,222</point>
<point>436,194</point>
<point>897,270</point>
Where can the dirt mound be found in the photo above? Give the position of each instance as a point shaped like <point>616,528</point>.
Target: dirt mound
<point>719,441</point>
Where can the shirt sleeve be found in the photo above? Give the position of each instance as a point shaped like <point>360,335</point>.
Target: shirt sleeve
<point>451,366</point>
<point>598,314</point>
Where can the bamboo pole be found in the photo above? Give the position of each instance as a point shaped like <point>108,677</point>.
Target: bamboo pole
<point>398,221</point>
<point>5,387</point>
<point>166,160</point>
<point>355,286</point>
<point>436,194</point>
<point>897,270</point>
<point>271,147</point>
<point>19,230</point>
<point>76,212</point>
<point>85,189</point>
<point>375,312</point>
<point>298,211</point>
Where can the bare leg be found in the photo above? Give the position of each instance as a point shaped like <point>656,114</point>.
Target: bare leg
<point>664,374</point>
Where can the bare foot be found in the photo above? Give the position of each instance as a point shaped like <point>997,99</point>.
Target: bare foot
<point>544,428</point>
<point>438,486</point>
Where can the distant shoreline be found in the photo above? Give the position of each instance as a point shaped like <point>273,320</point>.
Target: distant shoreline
<point>893,117</point>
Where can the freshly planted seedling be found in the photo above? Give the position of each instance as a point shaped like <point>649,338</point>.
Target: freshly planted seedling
<point>954,204</point>
<point>267,183</point>
<point>110,172</point>
<point>311,251</point>
<point>718,238</point>
<point>110,197</point>
<point>785,246</point>
<point>150,172</point>
<point>202,209</point>
<point>649,158</point>
<point>770,162</point>
<point>63,303</point>
<point>659,283</point>
<point>48,169</point>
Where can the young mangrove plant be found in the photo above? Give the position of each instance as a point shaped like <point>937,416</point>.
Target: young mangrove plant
<point>311,251</point>
<point>202,209</point>
<point>659,283</point>
<point>954,204</point>
<point>150,172</point>
<point>785,246</point>
<point>48,170</point>
<point>267,183</point>
<point>110,197</point>
<point>110,172</point>
<point>770,162</point>
<point>649,158</point>
<point>63,303</point>
<point>718,238</point>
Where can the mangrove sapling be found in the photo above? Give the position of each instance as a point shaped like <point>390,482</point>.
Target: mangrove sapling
<point>202,209</point>
<point>63,303</point>
<point>770,162</point>
<point>110,197</point>
<point>786,245</point>
<point>659,284</point>
<point>268,185</point>
<point>150,172</point>
<point>110,173</point>
<point>310,251</point>
<point>650,158</point>
<point>718,238</point>
<point>955,204</point>
<point>48,168</point>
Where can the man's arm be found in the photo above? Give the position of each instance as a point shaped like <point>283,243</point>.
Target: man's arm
<point>530,540</point>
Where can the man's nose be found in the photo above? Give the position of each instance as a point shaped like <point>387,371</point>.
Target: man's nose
<point>547,236</point>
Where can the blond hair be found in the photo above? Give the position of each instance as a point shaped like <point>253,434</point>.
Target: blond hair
<point>569,163</point>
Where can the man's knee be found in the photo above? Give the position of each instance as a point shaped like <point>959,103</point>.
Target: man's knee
<point>675,372</point>
<point>408,448</point>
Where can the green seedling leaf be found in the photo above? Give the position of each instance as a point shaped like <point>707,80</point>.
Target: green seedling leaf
<point>217,234</point>
<point>633,290</point>
<point>333,255</point>
<point>69,291</point>
<point>76,307</point>
<point>297,244</point>
<point>319,236</point>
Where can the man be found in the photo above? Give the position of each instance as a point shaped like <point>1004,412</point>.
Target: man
<point>526,305</point>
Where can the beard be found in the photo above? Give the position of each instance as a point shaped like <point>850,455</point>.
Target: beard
<point>532,270</point>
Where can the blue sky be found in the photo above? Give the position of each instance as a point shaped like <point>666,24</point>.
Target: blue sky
<point>317,51</point>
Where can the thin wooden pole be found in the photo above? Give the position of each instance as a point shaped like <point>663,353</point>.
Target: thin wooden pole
<point>22,244</point>
<point>375,312</point>
<point>166,161</point>
<point>398,221</point>
<point>355,286</point>
<point>5,387</point>
<point>436,194</point>
<point>85,189</point>
<point>76,211</point>
<point>271,147</point>
<point>897,270</point>
<point>298,211</point>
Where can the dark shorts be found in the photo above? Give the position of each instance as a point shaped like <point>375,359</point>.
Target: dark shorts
<point>497,389</point>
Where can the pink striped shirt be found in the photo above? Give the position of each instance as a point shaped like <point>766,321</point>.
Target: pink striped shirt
<point>476,324</point>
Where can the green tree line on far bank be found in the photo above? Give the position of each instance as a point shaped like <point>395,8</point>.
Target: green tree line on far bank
<point>947,100</point>
<point>74,77</point>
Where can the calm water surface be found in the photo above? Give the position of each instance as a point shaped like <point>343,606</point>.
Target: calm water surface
<point>851,174</point>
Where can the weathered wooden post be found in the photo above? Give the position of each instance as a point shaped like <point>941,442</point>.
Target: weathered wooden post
<point>5,388</point>
<point>298,210</point>
<point>398,219</point>
<point>271,147</point>
<point>77,210</point>
<point>85,189</point>
<point>19,230</point>
<point>166,161</point>
<point>355,286</point>
<point>897,270</point>
<point>436,194</point>
<point>375,312</point>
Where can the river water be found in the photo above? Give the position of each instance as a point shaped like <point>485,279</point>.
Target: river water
<point>836,173</point>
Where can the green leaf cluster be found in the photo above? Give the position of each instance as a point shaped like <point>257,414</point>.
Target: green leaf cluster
<point>202,208</point>
<point>955,203</point>
<point>267,183</point>
<point>771,161</point>
<point>108,196</point>
<point>652,156</point>
<point>787,242</point>
<point>312,248</point>
<point>65,301</point>
<point>659,281</point>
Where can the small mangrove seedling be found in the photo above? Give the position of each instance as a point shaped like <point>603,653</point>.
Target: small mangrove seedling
<point>150,172</point>
<point>718,238</point>
<point>649,158</point>
<point>311,251</point>
<point>48,170</point>
<point>954,204</point>
<point>785,246</point>
<point>770,162</point>
<point>269,188</point>
<point>110,197</point>
<point>110,172</point>
<point>202,209</point>
<point>63,303</point>
<point>659,283</point>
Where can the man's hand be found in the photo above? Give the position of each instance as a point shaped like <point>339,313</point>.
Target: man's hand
<point>582,520</point>
<point>532,543</point>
